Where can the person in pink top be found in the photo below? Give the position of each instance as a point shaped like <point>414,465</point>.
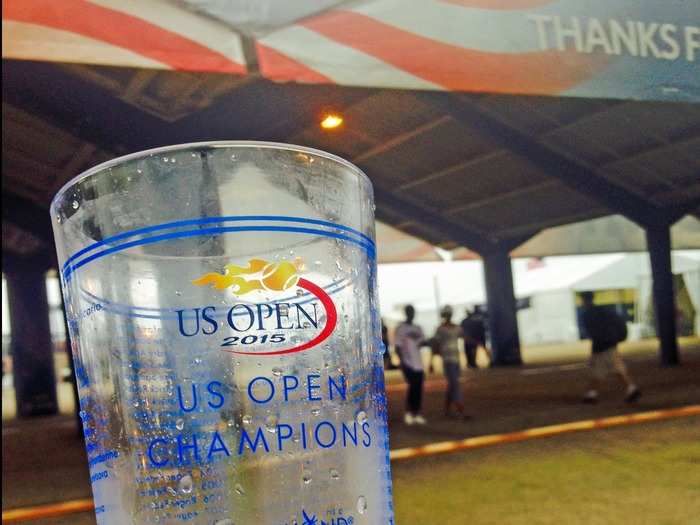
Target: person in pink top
<point>408,340</point>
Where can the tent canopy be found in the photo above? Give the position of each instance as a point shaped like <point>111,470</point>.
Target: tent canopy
<point>626,272</point>
<point>461,283</point>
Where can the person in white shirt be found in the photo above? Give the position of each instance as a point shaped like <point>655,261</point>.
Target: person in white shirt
<point>446,341</point>
<point>408,339</point>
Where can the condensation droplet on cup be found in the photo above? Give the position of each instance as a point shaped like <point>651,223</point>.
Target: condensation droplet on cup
<point>186,484</point>
<point>178,293</point>
<point>300,292</point>
<point>361,417</point>
<point>306,478</point>
<point>75,205</point>
<point>276,371</point>
<point>180,424</point>
<point>246,419</point>
<point>225,521</point>
<point>197,361</point>
<point>315,411</point>
<point>271,423</point>
<point>334,474</point>
<point>136,403</point>
<point>230,422</point>
<point>361,504</point>
<point>239,489</point>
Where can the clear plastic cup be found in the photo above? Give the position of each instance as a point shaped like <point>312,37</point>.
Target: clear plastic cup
<point>222,308</point>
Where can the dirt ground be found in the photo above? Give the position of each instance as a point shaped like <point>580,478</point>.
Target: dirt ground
<point>43,460</point>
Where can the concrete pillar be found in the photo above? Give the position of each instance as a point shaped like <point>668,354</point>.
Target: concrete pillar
<point>659,246</point>
<point>71,363</point>
<point>502,318</point>
<point>32,350</point>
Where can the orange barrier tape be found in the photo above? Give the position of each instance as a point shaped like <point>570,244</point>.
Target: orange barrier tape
<point>47,511</point>
<point>86,505</point>
<point>539,432</point>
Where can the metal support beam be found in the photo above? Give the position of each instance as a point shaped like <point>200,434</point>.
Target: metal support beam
<point>509,194</point>
<point>502,311</point>
<point>676,212</point>
<point>475,241</point>
<point>41,261</point>
<point>538,226</point>
<point>659,246</point>
<point>399,139</point>
<point>512,242</point>
<point>32,351</point>
<point>578,176</point>
<point>27,216</point>
<point>456,168</point>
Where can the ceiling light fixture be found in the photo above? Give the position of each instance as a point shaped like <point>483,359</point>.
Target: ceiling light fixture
<point>331,121</point>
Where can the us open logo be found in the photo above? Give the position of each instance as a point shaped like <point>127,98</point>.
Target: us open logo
<point>268,328</point>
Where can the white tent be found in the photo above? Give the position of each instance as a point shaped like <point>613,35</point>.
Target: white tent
<point>550,285</point>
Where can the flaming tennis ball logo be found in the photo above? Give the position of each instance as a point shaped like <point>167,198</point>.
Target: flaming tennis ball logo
<point>279,276</point>
<point>258,275</point>
<point>314,326</point>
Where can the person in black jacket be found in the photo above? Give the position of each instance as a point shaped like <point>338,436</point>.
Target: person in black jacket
<point>474,330</point>
<point>605,329</point>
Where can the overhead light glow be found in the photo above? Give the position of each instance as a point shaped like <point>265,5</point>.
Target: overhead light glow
<point>331,121</point>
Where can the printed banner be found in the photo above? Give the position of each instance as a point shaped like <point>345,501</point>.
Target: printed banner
<point>625,49</point>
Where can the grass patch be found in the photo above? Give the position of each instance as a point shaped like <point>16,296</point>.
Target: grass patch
<point>645,474</point>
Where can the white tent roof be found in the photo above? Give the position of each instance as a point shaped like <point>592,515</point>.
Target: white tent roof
<point>461,283</point>
<point>626,272</point>
<point>457,283</point>
<point>558,273</point>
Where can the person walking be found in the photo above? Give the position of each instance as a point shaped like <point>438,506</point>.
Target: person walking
<point>606,329</point>
<point>408,340</point>
<point>447,345</point>
<point>474,333</point>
